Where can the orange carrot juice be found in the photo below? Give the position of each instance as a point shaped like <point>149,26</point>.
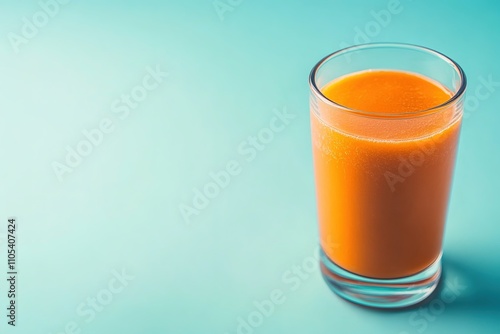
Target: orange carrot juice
<point>382,189</point>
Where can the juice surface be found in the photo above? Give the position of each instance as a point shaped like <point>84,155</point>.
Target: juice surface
<point>386,92</point>
<point>382,203</point>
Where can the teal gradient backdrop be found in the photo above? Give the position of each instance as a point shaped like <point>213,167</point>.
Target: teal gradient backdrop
<point>103,245</point>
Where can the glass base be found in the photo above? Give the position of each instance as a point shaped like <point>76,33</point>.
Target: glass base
<point>381,293</point>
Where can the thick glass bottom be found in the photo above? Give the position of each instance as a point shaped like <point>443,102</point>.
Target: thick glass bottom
<point>381,293</point>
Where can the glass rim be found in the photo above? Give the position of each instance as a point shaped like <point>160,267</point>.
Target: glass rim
<point>457,95</point>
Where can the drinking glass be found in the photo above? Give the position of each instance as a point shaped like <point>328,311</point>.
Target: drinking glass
<point>383,179</point>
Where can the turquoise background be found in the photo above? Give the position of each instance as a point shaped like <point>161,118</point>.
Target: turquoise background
<point>120,208</point>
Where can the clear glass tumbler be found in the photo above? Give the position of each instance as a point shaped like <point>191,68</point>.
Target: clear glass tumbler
<point>383,179</point>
